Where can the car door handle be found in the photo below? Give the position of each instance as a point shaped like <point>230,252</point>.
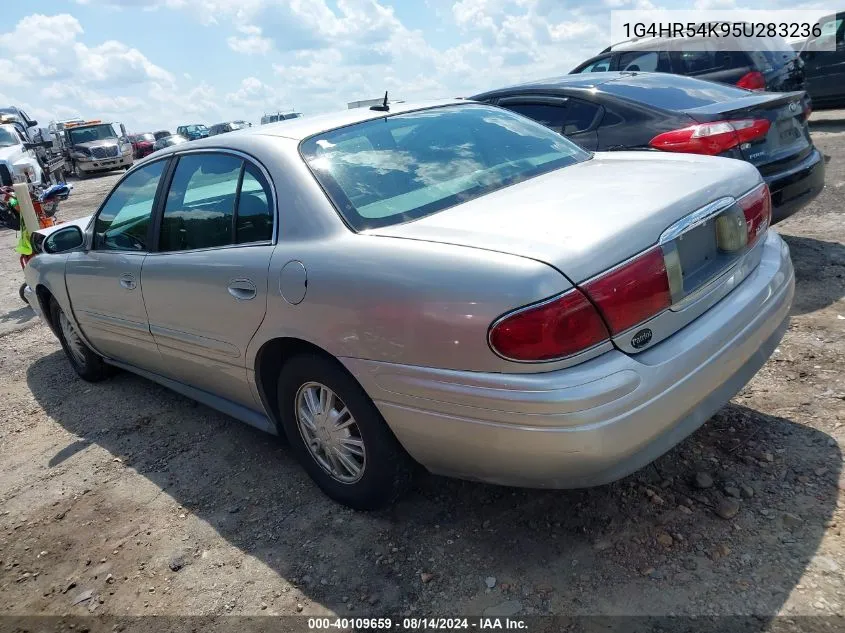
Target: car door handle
<point>127,280</point>
<point>242,289</point>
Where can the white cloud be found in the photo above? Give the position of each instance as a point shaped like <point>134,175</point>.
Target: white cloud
<point>114,61</point>
<point>252,43</point>
<point>253,93</point>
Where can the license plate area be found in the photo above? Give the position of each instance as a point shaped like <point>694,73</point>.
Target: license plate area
<point>701,247</point>
<point>701,257</point>
<point>788,132</point>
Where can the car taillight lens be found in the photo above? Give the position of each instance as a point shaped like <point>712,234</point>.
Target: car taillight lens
<point>711,138</point>
<point>757,207</point>
<point>752,81</point>
<point>561,327</point>
<point>632,292</point>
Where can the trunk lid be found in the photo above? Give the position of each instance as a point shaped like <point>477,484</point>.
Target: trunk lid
<point>788,138</point>
<point>588,217</point>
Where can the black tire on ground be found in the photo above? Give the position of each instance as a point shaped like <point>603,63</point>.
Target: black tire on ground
<point>22,295</point>
<point>88,364</point>
<point>80,175</point>
<point>387,470</point>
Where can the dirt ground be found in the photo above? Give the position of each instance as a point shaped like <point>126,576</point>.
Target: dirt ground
<point>123,498</point>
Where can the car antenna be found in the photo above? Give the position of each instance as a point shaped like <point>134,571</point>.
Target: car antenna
<point>383,107</point>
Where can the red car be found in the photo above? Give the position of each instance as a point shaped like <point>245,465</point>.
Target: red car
<point>142,144</point>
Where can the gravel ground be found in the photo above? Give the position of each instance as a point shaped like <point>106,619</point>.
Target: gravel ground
<point>123,498</point>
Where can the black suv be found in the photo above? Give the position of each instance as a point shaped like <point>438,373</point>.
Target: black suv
<point>776,69</point>
<point>824,62</point>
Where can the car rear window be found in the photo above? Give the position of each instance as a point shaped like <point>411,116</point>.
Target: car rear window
<point>672,92</point>
<point>403,167</point>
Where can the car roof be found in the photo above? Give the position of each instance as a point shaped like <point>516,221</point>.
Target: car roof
<point>581,80</point>
<point>305,126</point>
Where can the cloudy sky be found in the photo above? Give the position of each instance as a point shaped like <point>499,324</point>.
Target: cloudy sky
<point>160,63</point>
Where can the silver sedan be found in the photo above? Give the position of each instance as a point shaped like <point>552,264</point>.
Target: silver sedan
<point>447,284</point>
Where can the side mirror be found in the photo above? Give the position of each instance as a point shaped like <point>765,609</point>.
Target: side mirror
<point>63,240</point>
<point>123,131</point>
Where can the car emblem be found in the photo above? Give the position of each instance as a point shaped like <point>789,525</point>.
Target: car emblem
<point>641,338</point>
<point>793,106</point>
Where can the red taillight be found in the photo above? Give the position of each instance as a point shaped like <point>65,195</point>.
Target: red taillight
<point>561,327</point>
<point>711,138</point>
<point>757,207</point>
<point>632,292</point>
<point>752,81</point>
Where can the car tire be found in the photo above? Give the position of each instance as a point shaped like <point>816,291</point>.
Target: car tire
<point>80,175</point>
<point>22,293</point>
<point>386,470</point>
<point>88,364</point>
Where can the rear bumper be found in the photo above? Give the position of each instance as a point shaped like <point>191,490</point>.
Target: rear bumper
<point>794,188</point>
<point>598,421</point>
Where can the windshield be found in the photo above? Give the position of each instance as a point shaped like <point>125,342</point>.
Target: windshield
<point>196,128</point>
<point>145,137</point>
<point>8,138</point>
<point>92,133</point>
<point>400,168</point>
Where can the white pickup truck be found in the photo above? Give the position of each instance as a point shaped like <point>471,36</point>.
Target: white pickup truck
<point>18,159</point>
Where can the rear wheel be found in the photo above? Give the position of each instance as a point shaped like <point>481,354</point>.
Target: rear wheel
<point>339,436</point>
<point>87,363</point>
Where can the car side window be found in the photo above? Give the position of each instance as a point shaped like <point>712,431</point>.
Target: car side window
<point>200,204</point>
<point>552,116</point>
<point>124,220</point>
<point>598,66</point>
<point>645,61</point>
<point>254,221</point>
<point>580,116</point>
<point>699,57</point>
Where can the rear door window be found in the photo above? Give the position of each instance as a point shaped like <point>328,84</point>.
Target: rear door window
<point>580,116</point>
<point>254,221</point>
<point>215,200</point>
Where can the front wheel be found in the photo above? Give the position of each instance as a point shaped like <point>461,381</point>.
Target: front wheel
<point>339,436</point>
<point>87,363</point>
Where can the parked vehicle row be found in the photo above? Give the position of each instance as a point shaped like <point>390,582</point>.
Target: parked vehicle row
<point>816,65</point>
<point>526,312</point>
